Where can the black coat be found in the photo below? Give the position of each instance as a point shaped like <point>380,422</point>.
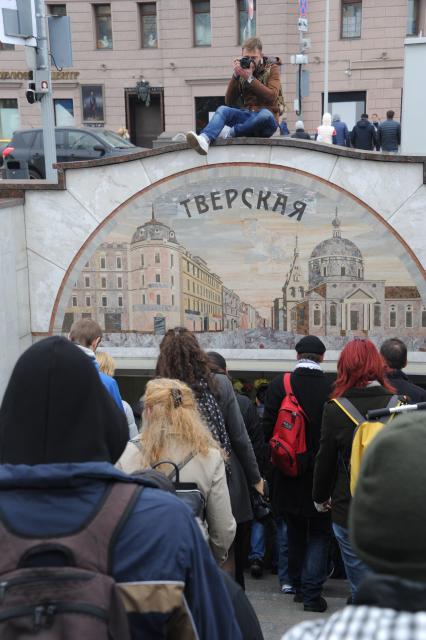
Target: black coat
<point>364,135</point>
<point>312,389</point>
<point>331,476</point>
<point>389,135</point>
<point>404,387</point>
<point>254,430</point>
<point>301,134</point>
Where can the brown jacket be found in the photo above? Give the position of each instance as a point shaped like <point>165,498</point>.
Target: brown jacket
<point>256,95</point>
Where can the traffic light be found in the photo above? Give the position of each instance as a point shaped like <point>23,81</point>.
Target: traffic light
<point>31,94</point>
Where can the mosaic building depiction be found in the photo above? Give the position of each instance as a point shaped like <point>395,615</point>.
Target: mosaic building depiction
<point>334,298</point>
<point>153,284</point>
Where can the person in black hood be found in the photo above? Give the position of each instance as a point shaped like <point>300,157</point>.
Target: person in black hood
<point>67,415</point>
<point>364,134</point>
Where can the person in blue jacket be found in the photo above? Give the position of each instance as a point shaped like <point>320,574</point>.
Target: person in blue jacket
<point>57,451</point>
<point>342,136</point>
<point>87,334</point>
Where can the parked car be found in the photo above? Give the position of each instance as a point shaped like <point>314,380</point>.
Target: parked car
<point>72,144</point>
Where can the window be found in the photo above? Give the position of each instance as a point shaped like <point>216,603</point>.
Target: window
<point>87,281</point>
<point>377,314</point>
<point>324,271</point>
<point>173,300</point>
<point>157,277</point>
<point>88,301</point>
<point>142,261</point>
<point>188,285</point>
<point>351,19</point>
<point>119,282</point>
<point>118,262</point>
<point>157,258</point>
<point>9,117</point>
<point>333,315</point>
<point>148,16</point>
<point>103,26</point>
<point>86,316</point>
<point>143,280</point>
<point>423,316</point>
<point>103,283</point>
<point>172,280</point>
<point>143,299</point>
<point>247,19</point>
<point>103,262</point>
<point>120,301</point>
<point>342,271</point>
<point>74,301</point>
<point>392,316</point>
<point>158,299</point>
<point>78,141</point>
<point>64,112</point>
<point>202,23</point>
<point>409,316</point>
<point>104,301</point>
<point>57,9</point>
<point>317,316</point>
<point>86,266</point>
<point>412,17</point>
<point>172,260</point>
<point>6,47</point>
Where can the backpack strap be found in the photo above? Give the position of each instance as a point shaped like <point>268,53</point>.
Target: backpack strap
<point>90,547</point>
<point>181,465</point>
<point>350,410</point>
<point>287,384</point>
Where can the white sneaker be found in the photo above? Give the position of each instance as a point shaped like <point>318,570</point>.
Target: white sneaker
<point>200,143</point>
<point>226,132</point>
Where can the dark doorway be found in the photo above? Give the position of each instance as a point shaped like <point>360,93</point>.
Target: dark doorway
<point>144,123</point>
<point>112,322</point>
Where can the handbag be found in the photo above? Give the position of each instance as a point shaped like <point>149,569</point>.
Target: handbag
<point>188,492</point>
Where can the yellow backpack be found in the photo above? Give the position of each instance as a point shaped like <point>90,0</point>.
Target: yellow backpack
<point>364,433</point>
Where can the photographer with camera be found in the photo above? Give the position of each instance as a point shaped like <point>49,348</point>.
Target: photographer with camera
<point>256,83</point>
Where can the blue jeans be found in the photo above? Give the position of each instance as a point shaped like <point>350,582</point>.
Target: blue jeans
<point>356,570</point>
<point>257,541</point>
<point>282,551</point>
<point>308,543</point>
<point>250,124</point>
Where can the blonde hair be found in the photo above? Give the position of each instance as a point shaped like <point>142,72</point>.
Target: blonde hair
<point>171,417</point>
<point>106,363</point>
<point>251,44</point>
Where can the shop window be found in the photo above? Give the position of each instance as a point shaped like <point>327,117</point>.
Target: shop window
<point>64,112</point>
<point>148,17</point>
<point>201,23</point>
<point>103,25</point>
<point>9,117</point>
<point>246,19</point>
<point>412,17</point>
<point>57,9</point>
<point>351,19</point>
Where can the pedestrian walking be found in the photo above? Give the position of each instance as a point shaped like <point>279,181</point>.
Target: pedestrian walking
<point>326,132</point>
<point>308,531</point>
<point>387,528</point>
<point>300,131</point>
<point>182,358</point>
<point>389,134</point>
<point>364,135</point>
<point>68,512</point>
<point>342,136</point>
<point>173,430</point>
<point>361,380</point>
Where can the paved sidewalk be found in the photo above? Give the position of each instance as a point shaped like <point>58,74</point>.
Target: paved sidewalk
<point>278,612</point>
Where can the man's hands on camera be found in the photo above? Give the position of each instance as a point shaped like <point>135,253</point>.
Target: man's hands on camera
<point>243,73</point>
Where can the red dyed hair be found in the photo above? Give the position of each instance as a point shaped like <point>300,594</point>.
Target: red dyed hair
<point>359,364</point>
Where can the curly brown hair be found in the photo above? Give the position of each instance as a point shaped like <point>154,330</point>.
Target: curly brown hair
<point>182,358</point>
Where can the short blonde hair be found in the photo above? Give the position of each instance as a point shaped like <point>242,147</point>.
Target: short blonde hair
<point>171,414</point>
<point>252,43</point>
<point>106,363</point>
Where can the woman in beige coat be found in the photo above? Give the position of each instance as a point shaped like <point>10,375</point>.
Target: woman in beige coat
<point>172,428</point>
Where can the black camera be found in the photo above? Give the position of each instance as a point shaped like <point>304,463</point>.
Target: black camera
<point>245,62</point>
<point>262,510</point>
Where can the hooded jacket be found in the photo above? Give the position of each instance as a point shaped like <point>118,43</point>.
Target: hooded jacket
<point>364,135</point>
<point>261,93</point>
<point>57,451</point>
<point>326,132</point>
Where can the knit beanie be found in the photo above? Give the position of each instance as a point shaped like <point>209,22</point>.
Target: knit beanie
<point>299,125</point>
<point>387,521</point>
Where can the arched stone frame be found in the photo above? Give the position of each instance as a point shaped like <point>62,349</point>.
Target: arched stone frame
<point>148,194</point>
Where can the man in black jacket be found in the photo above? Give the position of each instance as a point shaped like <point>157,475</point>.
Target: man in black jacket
<point>389,133</point>
<point>308,531</point>
<point>364,135</point>
<point>394,352</point>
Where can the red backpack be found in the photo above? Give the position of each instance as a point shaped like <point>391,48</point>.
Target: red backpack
<point>288,442</point>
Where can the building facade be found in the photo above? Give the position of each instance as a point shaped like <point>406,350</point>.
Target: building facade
<point>178,53</point>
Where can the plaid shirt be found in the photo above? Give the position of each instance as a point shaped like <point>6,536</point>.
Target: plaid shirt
<point>363,623</point>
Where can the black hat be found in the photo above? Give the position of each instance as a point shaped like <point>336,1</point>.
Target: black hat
<point>310,344</point>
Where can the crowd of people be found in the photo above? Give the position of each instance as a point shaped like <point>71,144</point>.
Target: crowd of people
<point>161,508</point>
